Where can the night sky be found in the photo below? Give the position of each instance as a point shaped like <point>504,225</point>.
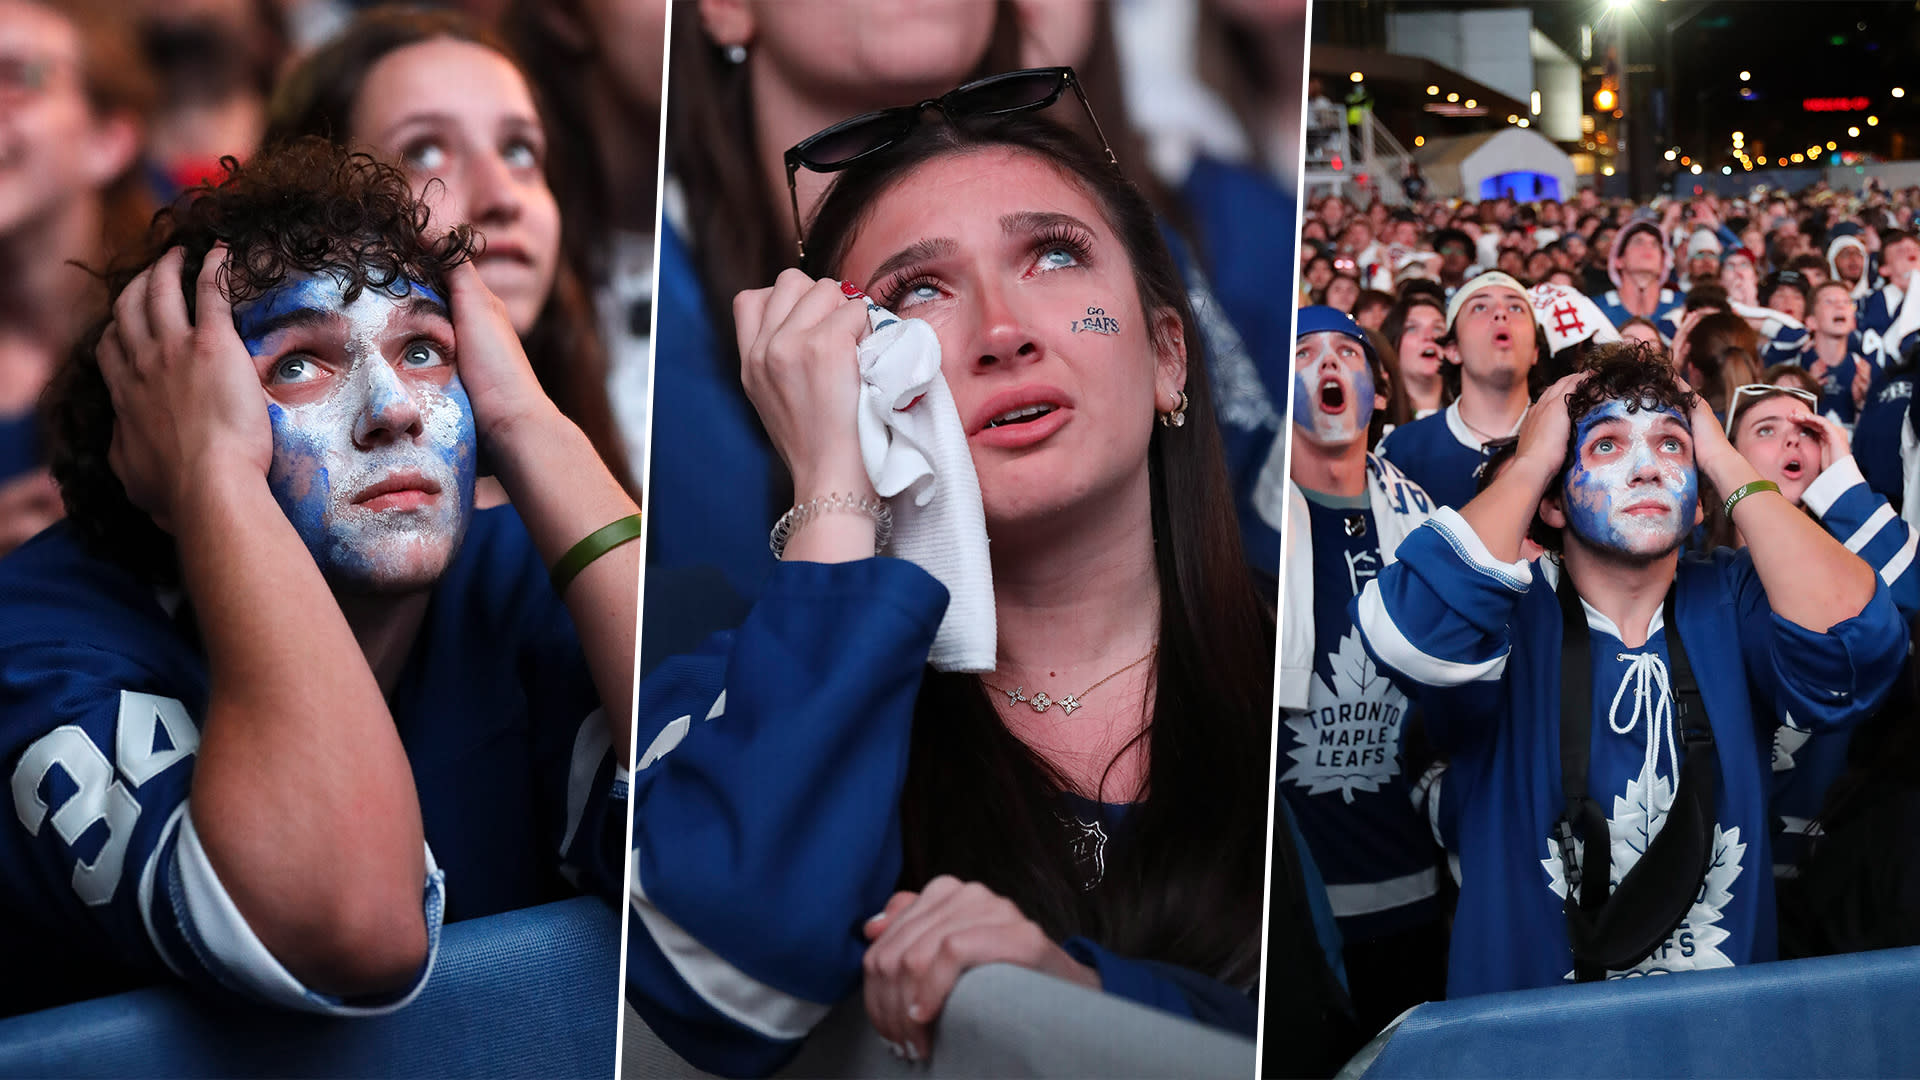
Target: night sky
<point>1795,51</point>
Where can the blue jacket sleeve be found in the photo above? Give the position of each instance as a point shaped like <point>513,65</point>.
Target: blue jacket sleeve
<point>1866,523</point>
<point>1815,681</point>
<point>1438,621</point>
<point>1165,986</point>
<point>766,826</point>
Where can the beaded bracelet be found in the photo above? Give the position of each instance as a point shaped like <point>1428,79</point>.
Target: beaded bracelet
<point>1745,490</point>
<point>872,506</point>
<point>597,543</point>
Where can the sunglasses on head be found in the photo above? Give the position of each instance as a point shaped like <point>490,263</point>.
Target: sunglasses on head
<point>851,141</point>
<point>1760,390</point>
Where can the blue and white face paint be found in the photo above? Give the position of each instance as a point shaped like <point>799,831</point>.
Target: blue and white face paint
<point>1332,389</point>
<point>1632,489</point>
<point>373,436</point>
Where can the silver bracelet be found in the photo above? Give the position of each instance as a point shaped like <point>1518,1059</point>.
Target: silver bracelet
<point>870,505</point>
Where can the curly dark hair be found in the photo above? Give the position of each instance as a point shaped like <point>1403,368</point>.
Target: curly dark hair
<point>306,207</point>
<point>1633,372</point>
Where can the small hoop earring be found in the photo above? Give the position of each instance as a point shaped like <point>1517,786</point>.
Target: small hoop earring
<point>736,54</point>
<point>1177,417</point>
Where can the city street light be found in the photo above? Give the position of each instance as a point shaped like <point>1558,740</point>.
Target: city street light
<point>1671,155</point>
<point>1746,76</point>
<point>1898,92</point>
<point>1831,145</point>
<point>1357,77</point>
<point>1853,133</point>
<point>1873,121</point>
<point>1696,169</point>
<point>1432,91</point>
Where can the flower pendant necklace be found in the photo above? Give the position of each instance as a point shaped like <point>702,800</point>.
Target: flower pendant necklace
<point>1041,702</point>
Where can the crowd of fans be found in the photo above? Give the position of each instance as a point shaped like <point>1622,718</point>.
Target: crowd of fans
<point>1471,329</point>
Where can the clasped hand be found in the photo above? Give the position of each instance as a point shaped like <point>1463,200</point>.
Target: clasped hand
<point>924,941</point>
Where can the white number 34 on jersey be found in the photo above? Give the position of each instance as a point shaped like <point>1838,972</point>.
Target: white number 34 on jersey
<point>151,734</point>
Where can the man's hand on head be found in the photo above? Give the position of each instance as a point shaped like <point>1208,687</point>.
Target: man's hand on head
<point>1546,431</point>
<point>186,398</point>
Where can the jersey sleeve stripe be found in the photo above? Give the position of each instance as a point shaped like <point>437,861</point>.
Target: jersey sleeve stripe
<point>1516,575</point>
<point>230,951</point>
<point>748,1002</point>
<point>1869,529</point>
<point>1393,648</point>
<point>1901,561</point>
<point>1369,897</point>
<point>591,745</point>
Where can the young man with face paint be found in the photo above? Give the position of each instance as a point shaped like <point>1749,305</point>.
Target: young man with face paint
<point>1341,768</point>
<point>1793,629</point>
<point>1490,325</point>
<point>277,701</point>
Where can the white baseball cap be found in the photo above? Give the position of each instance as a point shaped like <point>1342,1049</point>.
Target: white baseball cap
<point>1492,279</point>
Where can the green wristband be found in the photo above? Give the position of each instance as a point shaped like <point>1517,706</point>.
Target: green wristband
<point>1745,490</point>
<point>598,543</point>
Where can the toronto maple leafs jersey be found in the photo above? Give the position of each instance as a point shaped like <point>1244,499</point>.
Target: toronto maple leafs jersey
<point>103,686</point>
<point>1667,311</point>
<point>1340,762</point>
<point>1877,436</point>
<point>1806,764</point>
<point>766,819</point>
<point>1439,454</point>
<point>1476,643</point>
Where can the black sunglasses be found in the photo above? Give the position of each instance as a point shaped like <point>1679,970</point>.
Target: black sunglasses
<point>851,141</point>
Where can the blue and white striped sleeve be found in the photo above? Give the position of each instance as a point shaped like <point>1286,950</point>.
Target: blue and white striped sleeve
<point>1814,681</point>
<point>1438,621</point>
<point>1865,522</point>
<point>99,754</point>
<point>766,827</point>
<point>1438,616</point>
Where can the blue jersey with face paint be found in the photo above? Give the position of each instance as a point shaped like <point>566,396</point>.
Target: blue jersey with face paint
<point>103,686</point>
<point>1476,642</point>
<point>1340,761</point>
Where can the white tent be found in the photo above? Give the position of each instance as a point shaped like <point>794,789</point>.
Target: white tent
<point>1516,161</point>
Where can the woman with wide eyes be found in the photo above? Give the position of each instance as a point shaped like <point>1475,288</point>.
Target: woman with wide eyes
<point>1808,455</point>
<point>446,101</point>
<point>1094,808</point>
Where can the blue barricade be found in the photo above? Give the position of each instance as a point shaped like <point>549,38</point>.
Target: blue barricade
<point>524,993</point>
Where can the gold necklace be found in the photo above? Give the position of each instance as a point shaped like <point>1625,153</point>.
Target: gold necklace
<point>1040,702</point>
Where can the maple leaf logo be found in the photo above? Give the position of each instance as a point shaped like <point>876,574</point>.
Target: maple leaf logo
<point>1348,735</point>
<point>1638,815</point>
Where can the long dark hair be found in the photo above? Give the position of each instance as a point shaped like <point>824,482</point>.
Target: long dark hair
<point>982,805</point>
<point>563,345</point>
<point>737,240</point>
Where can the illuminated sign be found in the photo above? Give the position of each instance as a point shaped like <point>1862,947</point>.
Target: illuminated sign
<point>1835,104</point>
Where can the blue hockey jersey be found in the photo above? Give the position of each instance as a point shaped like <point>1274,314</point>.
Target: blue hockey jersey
<point>1666,313</point>
<point>767,826</point>
<point>1340,761</point>
<point>102,687</point>
<point>1805,764</point>
<point>1440,454</point>
<point>1476,642</point>
<point>1877,437</point>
